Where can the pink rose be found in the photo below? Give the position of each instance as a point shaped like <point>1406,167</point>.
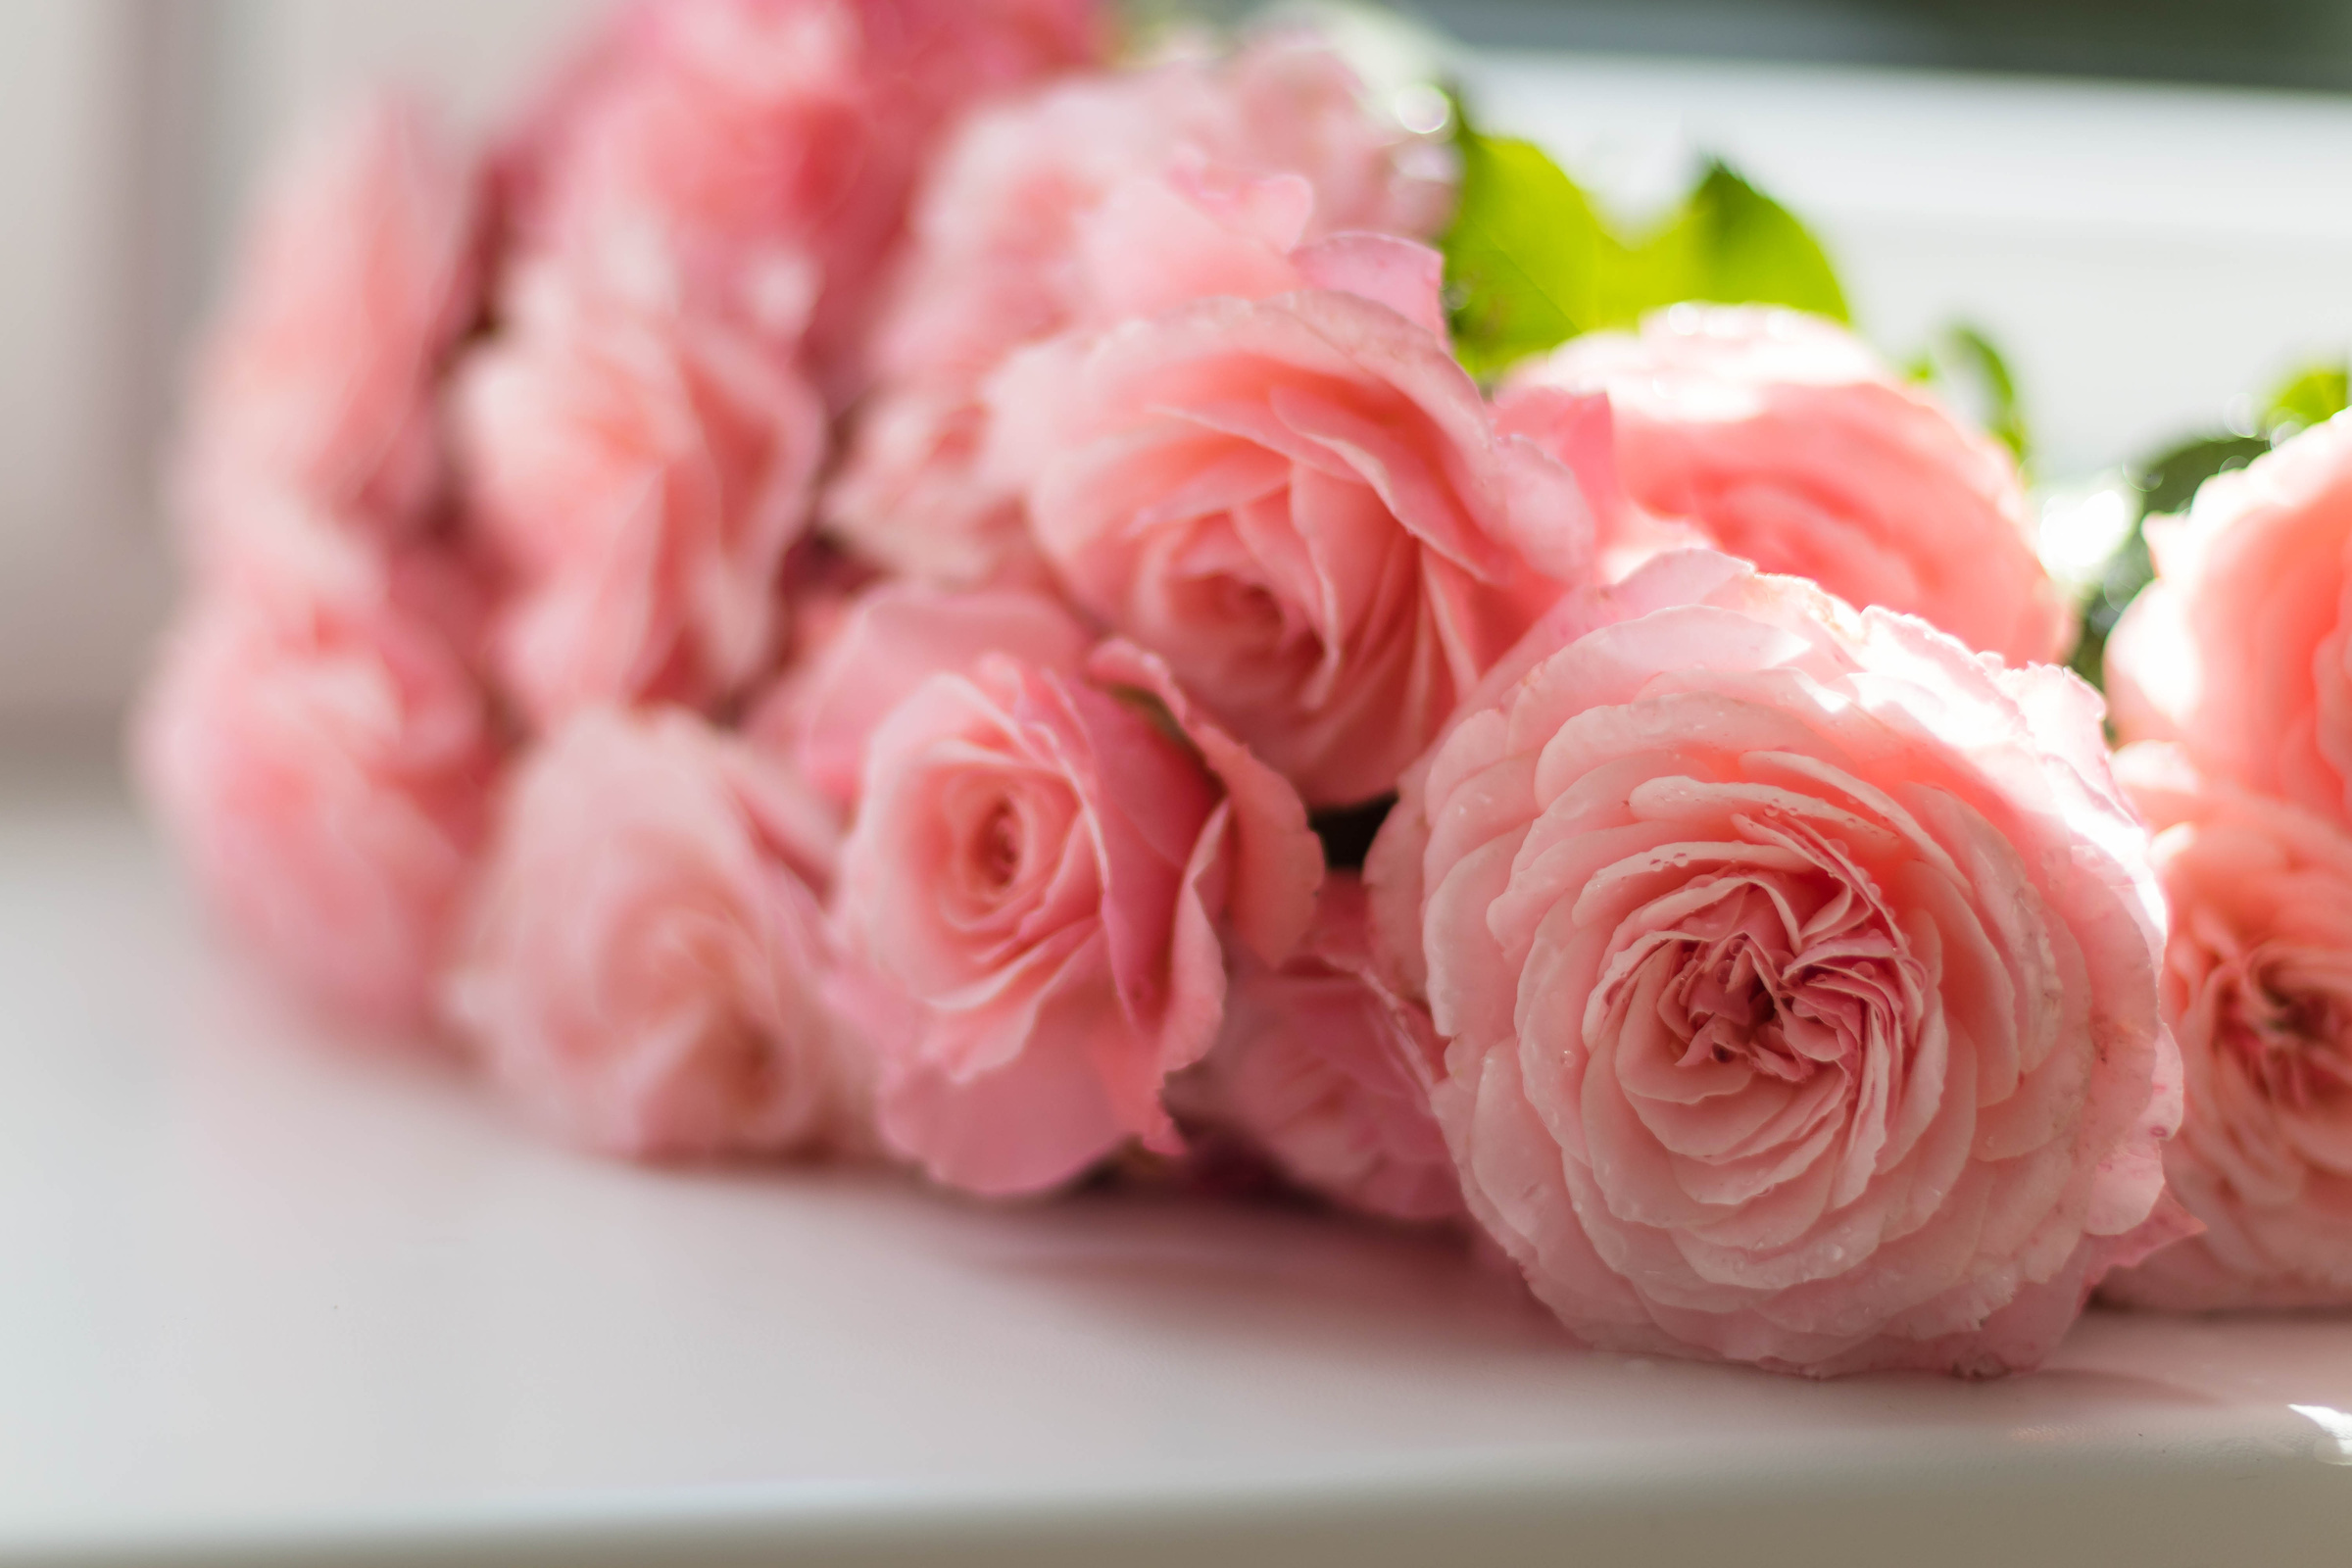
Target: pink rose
<point>2258,989</point>
<point>639,477</point>
<point>1300,504</point>
<point>1326,1071</point>
<point>1797,971</point>
<point>753,158</point>
<point>1105,197</point>
<point>1031,900</point>
<point>647,948</point>
<point>357,273</point>
<point>2241,648</point>
<point>895,637</point>
<point>316,746</point>
<point>1780,437</point>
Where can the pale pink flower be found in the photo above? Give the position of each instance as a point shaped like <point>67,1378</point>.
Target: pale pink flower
<point>2258,989</point>
<point>318,749</point>
<point>359,272</point>
<point>639,478</point>
<point>753,159</point>
<point>2241,648</point>
<point>1797,969</point>
<point>1327,1072</point>
<point>1299,504</point>
<point>1782,438</point>
<point>647,948</point>
<point>1032,902</point>
<point>892,639</point>
<point>1104,197</point>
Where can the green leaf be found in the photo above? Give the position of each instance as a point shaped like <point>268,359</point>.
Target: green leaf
<point>2169,480</point>
<point>1735,245</point>
<point>2166,482</point>
<point>2312,396</point>
<point>1963,360</point>
<point>1530,261</point>
<point>1523,254</point>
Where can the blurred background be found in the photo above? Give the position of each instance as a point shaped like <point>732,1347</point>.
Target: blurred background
<point>2144,202</point>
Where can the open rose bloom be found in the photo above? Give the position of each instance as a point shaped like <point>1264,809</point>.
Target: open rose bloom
<point>2258,986</point>
<point>2240,651</point>
<point>1301,505</point>
<point>1795,971</point>
<point>855,582</point>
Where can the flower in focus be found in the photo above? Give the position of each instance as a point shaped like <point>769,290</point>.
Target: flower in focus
<point>357,275</point>
<point>1102,197</point>
<point>752,159</point>
<point>2241,648</point>
<point>2258,987</point>
<point>1782,438</point>
<point>639,478</point>
<point>1300,504</point>
<point>1328,1073</point>
<point>892,639</point>
<point>646,947</point>
<point>1032,899</point>
<point>322,754</point>
<point>1797,971</point>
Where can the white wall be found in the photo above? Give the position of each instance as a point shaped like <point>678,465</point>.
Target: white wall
<point>77,582</point>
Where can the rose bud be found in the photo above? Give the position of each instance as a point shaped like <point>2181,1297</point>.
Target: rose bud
<point>647,948</point>
<point>2258,989</point>
<point>1798,974</point>
<point>1782,438</point>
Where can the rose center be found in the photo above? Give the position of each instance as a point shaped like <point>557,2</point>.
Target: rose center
<point>2294,1039</point>
<point>1733,1009</point>
<point>1756,982</point>
<point>997,850</point>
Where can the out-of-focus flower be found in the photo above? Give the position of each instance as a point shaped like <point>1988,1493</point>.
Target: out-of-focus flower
<point>638,478</point>
<point>1780,438</point>
<point>646,953</point>
<point>753,159</point>
<point>359,271</point>
<point>2258,988</point>
<point>2241,648</point>
<point>1101,198</point>
<point>317,747</point>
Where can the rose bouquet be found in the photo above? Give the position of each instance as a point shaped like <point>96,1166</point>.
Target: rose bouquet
<point>876,580</point>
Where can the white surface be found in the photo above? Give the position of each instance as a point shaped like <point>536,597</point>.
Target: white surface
<point>262,1292</point>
